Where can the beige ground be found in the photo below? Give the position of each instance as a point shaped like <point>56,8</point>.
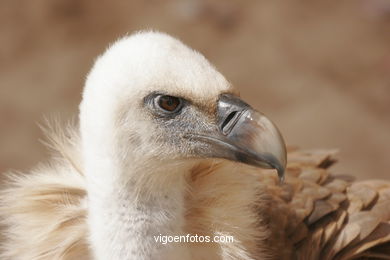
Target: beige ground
<point>320,71</point>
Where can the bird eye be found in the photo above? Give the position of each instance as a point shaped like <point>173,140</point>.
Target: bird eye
<point>169,103</point>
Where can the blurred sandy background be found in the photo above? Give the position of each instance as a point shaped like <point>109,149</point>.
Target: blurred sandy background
<point>319,69</point>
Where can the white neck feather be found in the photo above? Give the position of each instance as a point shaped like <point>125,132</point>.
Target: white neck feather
<point>126,210</point>
<point>129,199</point>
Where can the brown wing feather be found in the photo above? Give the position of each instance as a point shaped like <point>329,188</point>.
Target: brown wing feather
<point>342,219</point>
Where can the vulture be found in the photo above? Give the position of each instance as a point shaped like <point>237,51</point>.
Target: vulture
<point>165,148</point>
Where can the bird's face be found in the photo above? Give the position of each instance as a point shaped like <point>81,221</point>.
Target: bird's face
<point>172,104</point>
<point>227,128</point>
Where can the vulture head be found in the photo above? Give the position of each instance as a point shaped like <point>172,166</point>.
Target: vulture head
<point>152,110</point>
<point>150,97</point>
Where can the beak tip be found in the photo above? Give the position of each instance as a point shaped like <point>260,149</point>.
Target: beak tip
<point>278,163</point>
<point>281,175</point>
<point>280,168</point>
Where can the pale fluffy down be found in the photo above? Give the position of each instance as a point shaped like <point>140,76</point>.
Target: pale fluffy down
<point>44,211</point>
<point>122,177</point>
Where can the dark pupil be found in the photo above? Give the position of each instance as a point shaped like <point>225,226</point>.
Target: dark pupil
<point>169,103</point>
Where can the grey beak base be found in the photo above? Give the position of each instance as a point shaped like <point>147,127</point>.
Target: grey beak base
<point>253,139</point>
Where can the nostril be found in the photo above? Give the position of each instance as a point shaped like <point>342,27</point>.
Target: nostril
<point>227,120</point>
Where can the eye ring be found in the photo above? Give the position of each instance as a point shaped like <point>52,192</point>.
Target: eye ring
<point>169,104</point>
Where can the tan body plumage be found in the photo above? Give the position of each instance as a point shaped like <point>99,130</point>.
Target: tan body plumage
<point>135,169</point>
<point>313,215</point>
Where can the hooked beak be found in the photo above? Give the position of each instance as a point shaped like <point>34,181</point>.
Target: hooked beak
<point>246,135</point>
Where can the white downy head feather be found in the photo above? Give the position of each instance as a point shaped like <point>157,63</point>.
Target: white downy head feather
<point>129,179</point>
